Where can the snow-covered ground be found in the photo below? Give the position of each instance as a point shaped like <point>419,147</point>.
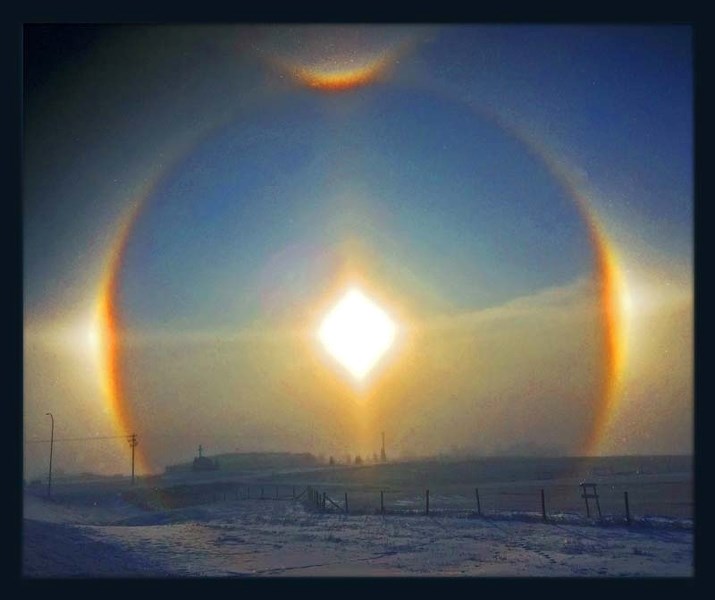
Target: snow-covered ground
<point>107,536</point>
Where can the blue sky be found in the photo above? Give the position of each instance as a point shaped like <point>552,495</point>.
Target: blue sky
<point>617,98</point>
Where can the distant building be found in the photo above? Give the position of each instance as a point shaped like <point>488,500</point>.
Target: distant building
<point>250,461</point>
<point>203,463</point>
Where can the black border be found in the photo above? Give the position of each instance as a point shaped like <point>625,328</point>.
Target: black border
<point>681,12</point>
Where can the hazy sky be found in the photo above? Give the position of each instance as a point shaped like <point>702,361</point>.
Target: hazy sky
<point>233,179</point>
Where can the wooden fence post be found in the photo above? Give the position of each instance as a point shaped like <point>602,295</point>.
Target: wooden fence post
<point>427,502</point>
<point>628,512</point>
<point>479,506</point>
<point>324,494</point>
<point>382,502</point>
<point>346,503</point>
<point>593,494</point>
<point>543,505</point>
<point>585,499</point>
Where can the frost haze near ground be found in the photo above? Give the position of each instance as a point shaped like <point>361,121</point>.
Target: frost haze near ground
<point>91,533</point>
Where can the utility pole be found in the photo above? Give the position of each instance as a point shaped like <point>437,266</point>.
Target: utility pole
<point>133,443</point>
<point>52,443</point>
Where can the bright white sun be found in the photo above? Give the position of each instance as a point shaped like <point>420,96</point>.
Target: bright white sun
<point>357,333</point>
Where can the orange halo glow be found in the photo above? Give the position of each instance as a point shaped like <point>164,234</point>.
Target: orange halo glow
<point>338,58</point>
<point>109,337</point>
<point>612,295</point>
<point>108,319</point>
<point>341,79</point>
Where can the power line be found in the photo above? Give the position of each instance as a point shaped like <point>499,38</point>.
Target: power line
<point>83,439</point>
<point>185,436</point>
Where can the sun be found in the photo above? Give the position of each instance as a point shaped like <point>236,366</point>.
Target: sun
<point>357,333</point>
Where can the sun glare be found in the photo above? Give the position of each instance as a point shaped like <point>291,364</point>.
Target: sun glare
<point>357,333</point>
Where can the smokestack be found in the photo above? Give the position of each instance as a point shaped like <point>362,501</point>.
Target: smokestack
<point>383,456</point>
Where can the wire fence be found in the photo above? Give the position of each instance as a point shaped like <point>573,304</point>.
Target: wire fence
<point>623,489</point>
<point>664,500</point>
<point>667,501</point>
